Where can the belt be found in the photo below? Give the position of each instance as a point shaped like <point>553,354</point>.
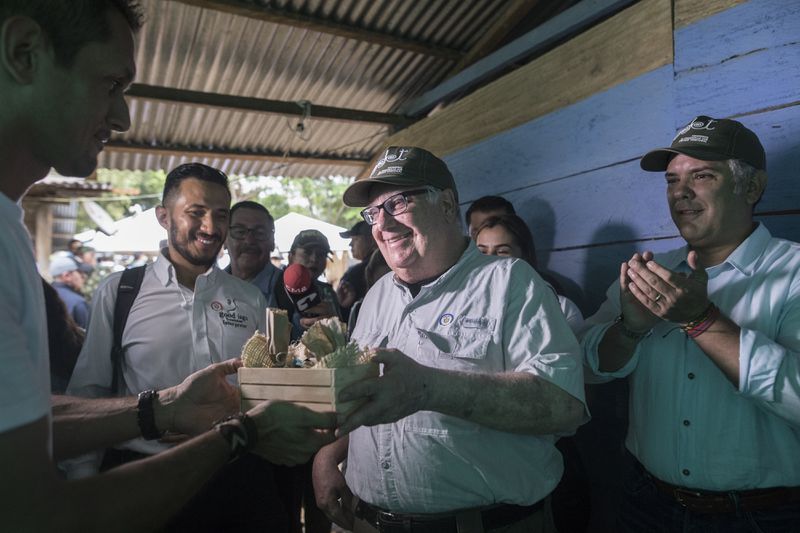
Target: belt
<point>492,517</point>
<point>712,502</point>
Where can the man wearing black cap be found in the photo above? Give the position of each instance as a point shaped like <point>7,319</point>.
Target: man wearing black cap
<point>708,336</point>
<point>311,249</point>
<point>353,285</point>
<point>68,279</point>
<point>480,371</point>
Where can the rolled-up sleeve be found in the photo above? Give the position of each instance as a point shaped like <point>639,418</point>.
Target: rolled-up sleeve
<point>769,370</point>
<point>592,334</point>
<point>538,339</point>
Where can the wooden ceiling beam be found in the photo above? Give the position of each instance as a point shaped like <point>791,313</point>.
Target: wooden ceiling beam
<point>263,105</point>
<point>299,20</point>
<point>565,25</point>
<point>217,153</point>
<point>515,12</point>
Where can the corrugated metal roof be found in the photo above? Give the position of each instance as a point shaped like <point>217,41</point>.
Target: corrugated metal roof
<point>186,47</point>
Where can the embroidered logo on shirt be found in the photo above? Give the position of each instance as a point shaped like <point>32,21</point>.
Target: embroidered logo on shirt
<point>475,323</point>
<point>228,315</point>
<point>446,319</point>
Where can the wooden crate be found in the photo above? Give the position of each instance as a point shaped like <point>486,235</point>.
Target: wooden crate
<point>313,388</point>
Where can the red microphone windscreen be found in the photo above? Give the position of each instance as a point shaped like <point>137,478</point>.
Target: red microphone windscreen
<point>297,278</point>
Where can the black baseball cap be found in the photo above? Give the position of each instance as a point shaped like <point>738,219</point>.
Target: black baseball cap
<point>710,139</point>
<point>405,166</point>
<point>359,228</point>
<point>311,238</point>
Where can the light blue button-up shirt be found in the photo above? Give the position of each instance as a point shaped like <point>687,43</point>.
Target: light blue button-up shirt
<point>485,315</point>
<point>689,425</point>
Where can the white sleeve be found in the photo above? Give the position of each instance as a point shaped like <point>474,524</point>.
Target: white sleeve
<point>93,371</point>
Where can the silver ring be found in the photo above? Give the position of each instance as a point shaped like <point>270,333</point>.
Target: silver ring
<point>657,298</point>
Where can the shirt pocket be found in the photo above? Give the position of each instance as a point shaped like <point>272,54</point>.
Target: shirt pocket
<point>454,349</point>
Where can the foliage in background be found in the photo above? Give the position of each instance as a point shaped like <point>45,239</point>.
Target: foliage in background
<point>130,188</point>
<point>320,198</point>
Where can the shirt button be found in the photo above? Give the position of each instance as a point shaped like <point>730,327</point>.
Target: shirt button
<point>685,472</point>
<point>686,422</point>
<point>386,465</point>
<point>691,375</point>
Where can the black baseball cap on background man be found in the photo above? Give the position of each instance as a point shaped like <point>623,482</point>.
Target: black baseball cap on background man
<point>359,228</point>
<point>710,139</point>
<point>311,238</point>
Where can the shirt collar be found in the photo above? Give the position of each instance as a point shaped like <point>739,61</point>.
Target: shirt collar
<point>165,270</point>
<point>745,256</point>
<point>466,256</point>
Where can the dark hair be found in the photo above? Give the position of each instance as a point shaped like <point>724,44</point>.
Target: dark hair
<point>519,230</point>
<point>192,170</point>
<point>64,337</point>
<point>72,248</point>
<point>489,203</point>
<point>249,204</point>
<point>71,24</point>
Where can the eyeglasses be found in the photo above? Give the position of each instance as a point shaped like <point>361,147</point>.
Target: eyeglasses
<point>394,205</point>
<point>240,232</point>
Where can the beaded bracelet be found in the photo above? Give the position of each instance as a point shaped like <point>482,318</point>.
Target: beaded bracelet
<point>240,431</point>
<point>699,325</point>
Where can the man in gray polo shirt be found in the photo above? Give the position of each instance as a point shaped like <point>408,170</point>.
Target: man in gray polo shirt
<point>481,372</point>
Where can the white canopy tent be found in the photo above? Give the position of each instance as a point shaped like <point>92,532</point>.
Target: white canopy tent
<point>289,225</point>
<point>141,233</point>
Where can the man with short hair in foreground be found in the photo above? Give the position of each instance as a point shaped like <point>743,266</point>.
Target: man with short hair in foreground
<point>708,336</point>
<point>63,69</point>
<point>481,372</point>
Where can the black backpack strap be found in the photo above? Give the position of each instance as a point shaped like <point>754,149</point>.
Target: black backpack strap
<point>129,285</point>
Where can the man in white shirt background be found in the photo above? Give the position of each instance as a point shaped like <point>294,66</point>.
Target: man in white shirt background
<point>204,315</point>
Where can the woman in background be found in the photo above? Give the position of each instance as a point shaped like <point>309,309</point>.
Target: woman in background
<point>509,236</point>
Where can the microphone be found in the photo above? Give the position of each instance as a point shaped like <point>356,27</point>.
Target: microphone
<point>300,288</point>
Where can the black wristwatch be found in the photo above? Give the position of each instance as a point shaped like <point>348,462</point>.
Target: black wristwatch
<point>145,415</point>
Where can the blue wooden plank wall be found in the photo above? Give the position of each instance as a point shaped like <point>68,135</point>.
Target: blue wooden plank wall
<point>574,174</point>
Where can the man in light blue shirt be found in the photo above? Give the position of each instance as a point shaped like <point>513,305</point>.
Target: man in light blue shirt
<point>480,373</point>
<point>708,336</point>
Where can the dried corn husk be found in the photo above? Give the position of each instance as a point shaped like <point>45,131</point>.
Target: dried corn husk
<point>256,353</point>
<point>348,355</point>
<point>325,336</point>
<point>278,330</point>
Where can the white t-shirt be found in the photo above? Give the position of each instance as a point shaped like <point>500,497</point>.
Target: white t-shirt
<point>24,356</point>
